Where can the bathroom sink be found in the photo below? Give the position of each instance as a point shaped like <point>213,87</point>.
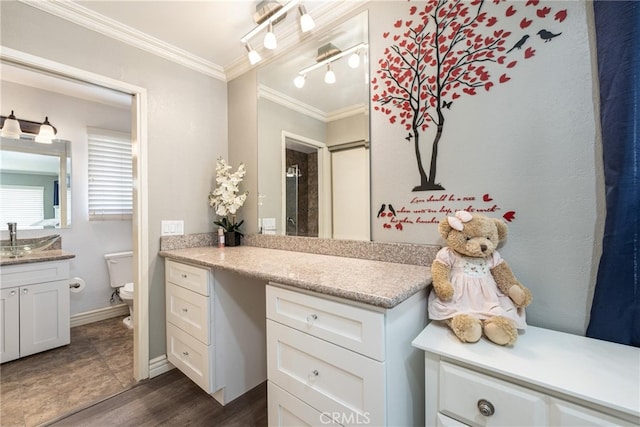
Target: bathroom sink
<point>26,246</point>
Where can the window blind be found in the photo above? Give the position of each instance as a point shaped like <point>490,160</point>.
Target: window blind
<point>22,204</point>
<point>110,175</point>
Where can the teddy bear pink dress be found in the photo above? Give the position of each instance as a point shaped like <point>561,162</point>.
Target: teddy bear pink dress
<point>474,290</point>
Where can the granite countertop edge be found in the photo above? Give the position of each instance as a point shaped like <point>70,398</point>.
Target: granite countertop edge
<point>375,291</point>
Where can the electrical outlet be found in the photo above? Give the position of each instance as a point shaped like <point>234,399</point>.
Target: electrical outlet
<point>172,228</point>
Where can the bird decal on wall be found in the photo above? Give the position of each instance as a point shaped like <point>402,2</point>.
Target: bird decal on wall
<point>520,42</point>
<point>547,35</point>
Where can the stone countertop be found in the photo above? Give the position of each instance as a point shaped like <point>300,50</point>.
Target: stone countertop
<point>377,283</point>
<point>42,256</point>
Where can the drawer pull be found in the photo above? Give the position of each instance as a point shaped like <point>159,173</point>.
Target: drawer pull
<point>184,276</point>
<point>313,375</point>
<point>185,353</point>
<point>25,291</point>
<point>13,293</point>
<point>486,408</point>
<point>311,318</point>
<point>185,310</point>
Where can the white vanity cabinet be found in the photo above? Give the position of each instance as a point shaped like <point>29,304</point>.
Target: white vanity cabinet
<point>547,378</point>
<point>336,362</point>
<point>34,308</point>
<point>215,328</point>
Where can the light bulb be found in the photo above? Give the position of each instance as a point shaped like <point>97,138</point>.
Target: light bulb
<point>46,134</point>
<point>299,81</point>
<point>270,41</point>
<point>330,76</point>
<point>254,57</point>
<point>354,60</point>
<point>306,21</point>
<point>11,128</point>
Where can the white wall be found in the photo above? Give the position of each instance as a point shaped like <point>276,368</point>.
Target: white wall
<point>89,241</point>
<point>530,145</point>
<point>181,158</point>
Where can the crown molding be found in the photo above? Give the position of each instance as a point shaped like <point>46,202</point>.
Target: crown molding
<point>279,98</point>
<point>87,18</point>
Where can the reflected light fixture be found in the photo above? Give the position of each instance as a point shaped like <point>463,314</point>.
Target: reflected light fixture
<point>11,127</point>
<point>254,57</point>
<point>328,54</point>
<point>14,128</point>
<point>306,21</point>
<point>299,81</point>
<point>268,13</point>
<point>330,76</point>
<point>354,60</point>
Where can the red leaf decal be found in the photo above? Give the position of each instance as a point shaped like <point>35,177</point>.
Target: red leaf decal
<point>501,59</point>
<point>488,85</point>
<point>399,226</point>
<point>455,96</point>
<point>392,119</point>
<point>509,216</point>
<point>492,21</point>
<point>412,10</point>
<point>561,15</point>
<point>504,78</point>
<point>408,23</point>
<point>542,13</point>
<point>525,23</point>
<point>469,90</point>
<point>396,38</point>
<point>386,225</point>
<point>385,34</point>
<point>398,23</point>
<point>512,64</point>
<point>532,3</point>
<point>529,52</point>
<point>487,198</point>
<point>511,11</point>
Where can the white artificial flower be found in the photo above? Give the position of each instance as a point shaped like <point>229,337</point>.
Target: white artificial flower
<point>225,198</point>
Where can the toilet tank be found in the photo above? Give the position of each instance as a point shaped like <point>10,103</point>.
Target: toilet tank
<point>120,267</point>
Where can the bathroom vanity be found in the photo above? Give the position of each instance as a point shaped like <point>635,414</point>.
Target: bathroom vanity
<point>338,332</point>
<point>34,304</point>
<point>547,378</point>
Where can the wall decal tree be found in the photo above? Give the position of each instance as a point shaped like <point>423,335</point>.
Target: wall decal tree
<point>448,49</point>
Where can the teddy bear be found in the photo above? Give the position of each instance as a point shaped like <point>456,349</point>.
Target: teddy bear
<point>474,290</point>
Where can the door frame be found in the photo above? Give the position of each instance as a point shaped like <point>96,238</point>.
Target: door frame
<point>140,195</point>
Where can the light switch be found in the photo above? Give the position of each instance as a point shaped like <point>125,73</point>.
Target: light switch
<point>172,228</point>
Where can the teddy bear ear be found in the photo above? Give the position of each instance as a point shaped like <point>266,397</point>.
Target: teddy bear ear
<point>503,230</point>
<point>444,228</point>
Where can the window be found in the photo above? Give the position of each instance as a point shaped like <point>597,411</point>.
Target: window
<point>22,204</point>
<point>110,175</point>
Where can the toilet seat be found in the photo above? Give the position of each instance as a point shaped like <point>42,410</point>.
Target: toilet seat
<point>126,292</point>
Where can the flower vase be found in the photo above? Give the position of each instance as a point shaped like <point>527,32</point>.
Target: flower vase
<point>231,238</point>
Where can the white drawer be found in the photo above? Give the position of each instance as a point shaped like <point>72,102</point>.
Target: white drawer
<point>192,357</point>
<point>189,311</point>
<point>462,389</point>
<point>352,327</point>
<point>285,410</point>
<point>188,276</point>
<point>568,414</point>
<point>32,273</point>
<point>329,378</point>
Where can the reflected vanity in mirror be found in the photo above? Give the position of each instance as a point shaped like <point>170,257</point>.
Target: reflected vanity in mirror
<point>34,180</point>
<point>313,137</point>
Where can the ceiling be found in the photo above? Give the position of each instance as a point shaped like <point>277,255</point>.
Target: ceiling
<point>203,34</point>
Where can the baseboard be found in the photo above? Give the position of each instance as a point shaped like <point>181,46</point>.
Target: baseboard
<point>99,314</point>
<point>159,365</point>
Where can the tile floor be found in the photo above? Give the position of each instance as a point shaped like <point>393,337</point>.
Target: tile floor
<point>98,363</point>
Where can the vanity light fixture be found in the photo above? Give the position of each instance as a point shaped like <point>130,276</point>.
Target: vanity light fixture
<point>11,127</point>
<point>14,128</point>
<point>299,81</point>
<point>268,13</point>
<point>328,54</point>
<point>354,60</point>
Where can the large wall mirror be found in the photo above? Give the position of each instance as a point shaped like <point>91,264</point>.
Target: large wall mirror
<point>35,183</point>
<point>313,137</point>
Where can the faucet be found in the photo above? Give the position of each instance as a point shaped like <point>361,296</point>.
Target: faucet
<point>13,233</point>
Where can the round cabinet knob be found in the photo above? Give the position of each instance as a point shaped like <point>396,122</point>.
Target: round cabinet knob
<point>185,353</point>
<point>25,291</point>
<point>313,375</point>
<point>486,408</point>
<point>185,310</point>
<point>184,276</point>
<point>311,318</point>
<point>13,293</point>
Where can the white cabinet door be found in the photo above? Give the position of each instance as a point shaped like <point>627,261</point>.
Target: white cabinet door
<point>44,316</point>
<point>568,414</point>
<point>9,324</point>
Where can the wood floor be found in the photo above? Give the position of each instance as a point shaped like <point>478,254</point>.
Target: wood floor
<point>171,399</point>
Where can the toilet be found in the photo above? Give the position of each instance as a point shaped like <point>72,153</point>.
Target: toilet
<point>120,267</point>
